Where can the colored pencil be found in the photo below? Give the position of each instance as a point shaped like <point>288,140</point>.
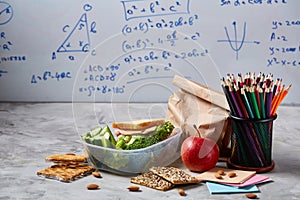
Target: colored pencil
<point>268,102</point>
<point>262,103</point>
<point>263,94</point>
<point>236,104</point>
<point>254,103</point>
<point>246,103</point>
<point>254,98</point>
<point>280,99</point>
<point>240,102</point>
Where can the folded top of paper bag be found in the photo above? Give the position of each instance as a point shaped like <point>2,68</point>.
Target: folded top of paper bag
<point>201,91</point>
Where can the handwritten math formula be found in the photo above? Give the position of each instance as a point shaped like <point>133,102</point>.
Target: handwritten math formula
<point>151,64</point>
<point>147,57</point>
<point>6,44</point>
<point>145,25</point>
<point>48,75</point>
<point>140,9</point>
<point>167,40</point>
<point>238,3</point>
<point>96,50</point>
<point>281,52</point>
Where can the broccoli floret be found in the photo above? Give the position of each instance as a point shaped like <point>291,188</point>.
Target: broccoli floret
<point>137,142</point>
<point>163,131</point>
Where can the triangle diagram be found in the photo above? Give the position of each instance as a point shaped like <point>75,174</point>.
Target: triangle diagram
<point>78,39</point>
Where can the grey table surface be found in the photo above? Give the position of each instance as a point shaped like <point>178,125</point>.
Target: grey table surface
<point>31,131</point>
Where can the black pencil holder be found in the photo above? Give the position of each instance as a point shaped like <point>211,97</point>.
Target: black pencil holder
<point>251,144</point>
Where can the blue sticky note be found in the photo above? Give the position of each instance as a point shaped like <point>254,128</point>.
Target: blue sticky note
<point>216,188</point>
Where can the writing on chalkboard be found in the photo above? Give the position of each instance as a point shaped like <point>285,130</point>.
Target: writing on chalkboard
<point>78,38</point>
<point>283,55</point>
<point>164,55</point>
<point>251,2</point>
<point>5,44</point>
<point>102,89</point>
<point>121,50</point>
<point>98,73</point>
<point>148,70</point>
<point>274,50</point>
<point>147,54</point>
<point>283,62</point>
<point>139,9</point>
<point>150,64</point>
<point>13,58</point>
<point>6,12</point>
<point>145,26</point>
<point>3,72</point>
<point>234,42</point>
<point>277,24</point>
<point>48,75</point>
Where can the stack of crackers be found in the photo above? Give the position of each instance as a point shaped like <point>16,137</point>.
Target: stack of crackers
<point>164,178</point>
<point>67,167</point>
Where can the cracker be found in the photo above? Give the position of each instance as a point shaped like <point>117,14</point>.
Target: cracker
<point>174,175</point>
<point>151,180</point>
<point>66,173</point>
<point>66,158</point>
<point>71,164</point>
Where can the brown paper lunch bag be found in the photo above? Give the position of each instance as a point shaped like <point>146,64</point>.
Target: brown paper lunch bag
<point>196,104</point>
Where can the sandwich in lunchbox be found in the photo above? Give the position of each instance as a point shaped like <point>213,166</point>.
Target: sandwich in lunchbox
<point>142,133</point>
<point>130,135</point>
<point>135,127</point>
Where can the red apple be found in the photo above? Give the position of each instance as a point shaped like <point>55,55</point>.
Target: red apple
<point>199,154</point>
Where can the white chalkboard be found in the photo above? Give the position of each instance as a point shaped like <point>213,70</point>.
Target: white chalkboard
<point>129,51</point>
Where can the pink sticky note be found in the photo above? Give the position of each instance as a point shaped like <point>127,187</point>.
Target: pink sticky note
<point>251,181</point>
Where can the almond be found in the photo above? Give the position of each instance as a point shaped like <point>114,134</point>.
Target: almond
<point>92,186</point>
<point>221,172</point>
<point>97,174</point>
<point>218,176</point>
<point>133,188</point>
<point>231,175</point>
<point>251,196</point>
<point>181,192</point>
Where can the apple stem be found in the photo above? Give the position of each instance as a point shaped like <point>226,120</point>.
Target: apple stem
<point>199,134</point>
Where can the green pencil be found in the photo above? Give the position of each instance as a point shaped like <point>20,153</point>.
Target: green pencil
<point>254,103</point>
<point>247,104</point>
<point>262,103</point>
